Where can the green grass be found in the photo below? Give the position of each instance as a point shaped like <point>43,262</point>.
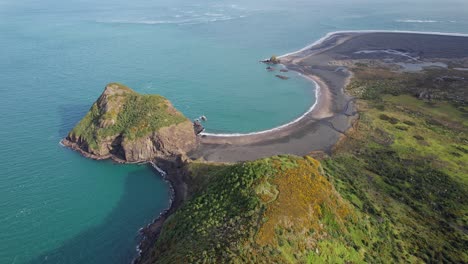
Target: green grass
<point>405,166</point>
<point>334,253</point>
<point>438,109</point>
<point>432,134</point>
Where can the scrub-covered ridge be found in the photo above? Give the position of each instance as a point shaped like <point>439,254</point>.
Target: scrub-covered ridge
<point>275,210</point>
<point>405,163</point>
<point>128,126</point>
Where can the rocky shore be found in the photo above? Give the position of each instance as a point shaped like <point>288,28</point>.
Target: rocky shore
<point>174,172</point>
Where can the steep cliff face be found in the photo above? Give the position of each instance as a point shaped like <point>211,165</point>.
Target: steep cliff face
<point>131,127</point>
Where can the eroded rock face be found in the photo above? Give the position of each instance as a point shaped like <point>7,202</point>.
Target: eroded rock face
<point>100,136</point>
<point>167,142</point>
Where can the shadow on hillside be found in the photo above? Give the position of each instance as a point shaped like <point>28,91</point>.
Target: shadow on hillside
<point>94,246</point>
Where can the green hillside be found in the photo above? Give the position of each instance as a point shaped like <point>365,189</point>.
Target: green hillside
<point>275,210</point>
<point>405,163</point>
<point>393,191</point>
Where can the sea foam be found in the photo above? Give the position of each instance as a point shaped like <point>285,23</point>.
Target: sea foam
<point>178,20</point>
<point>416,21</point>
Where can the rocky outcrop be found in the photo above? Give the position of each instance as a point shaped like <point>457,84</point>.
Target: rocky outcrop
<point>167,142</point>
<point>272,60</point>
<point>282,77</point>
<point>198,127</point>
<point>129,127</point>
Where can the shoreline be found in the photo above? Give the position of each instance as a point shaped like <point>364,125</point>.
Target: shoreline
<point>318,91</point>
<point>320,110</point>
<point>328,119</point>
<point>152,230</point>
<point>174,173</point>
<point>329,34</point>
<point>312,78</point>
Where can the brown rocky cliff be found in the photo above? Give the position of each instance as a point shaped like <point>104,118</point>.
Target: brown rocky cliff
<point>167,142</point>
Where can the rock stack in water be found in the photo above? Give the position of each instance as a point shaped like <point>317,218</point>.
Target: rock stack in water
<point>130,127</point>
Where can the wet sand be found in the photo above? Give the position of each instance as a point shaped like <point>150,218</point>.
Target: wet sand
<point>334,113</point>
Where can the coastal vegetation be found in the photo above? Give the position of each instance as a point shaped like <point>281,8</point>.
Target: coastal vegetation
<point>405,163</point>
<point>394,189</point>
<point>275,210</point>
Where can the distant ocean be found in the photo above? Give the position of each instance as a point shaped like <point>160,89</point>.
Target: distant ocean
<point>57,56</point>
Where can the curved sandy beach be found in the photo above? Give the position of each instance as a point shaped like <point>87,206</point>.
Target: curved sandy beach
<point>334,111</point>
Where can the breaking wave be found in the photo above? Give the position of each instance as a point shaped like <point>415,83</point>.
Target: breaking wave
<point>192,16</point>
<point>190,21</point>
<point>417,21</point>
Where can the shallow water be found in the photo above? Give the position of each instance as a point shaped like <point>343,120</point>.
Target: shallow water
<point>56,57</point>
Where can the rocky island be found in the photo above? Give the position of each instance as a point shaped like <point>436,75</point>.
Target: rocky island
<point>129,127</point>
<point>380,174</point>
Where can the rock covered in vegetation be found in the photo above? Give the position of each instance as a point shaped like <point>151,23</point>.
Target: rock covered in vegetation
<point>130,127</point>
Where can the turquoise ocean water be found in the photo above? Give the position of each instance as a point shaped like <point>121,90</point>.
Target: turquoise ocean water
<point>57,56</point>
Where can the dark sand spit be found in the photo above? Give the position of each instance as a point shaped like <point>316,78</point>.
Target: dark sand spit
<point>335,112</point>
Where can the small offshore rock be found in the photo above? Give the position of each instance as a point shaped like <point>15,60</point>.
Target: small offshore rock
<point>282,77</point>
